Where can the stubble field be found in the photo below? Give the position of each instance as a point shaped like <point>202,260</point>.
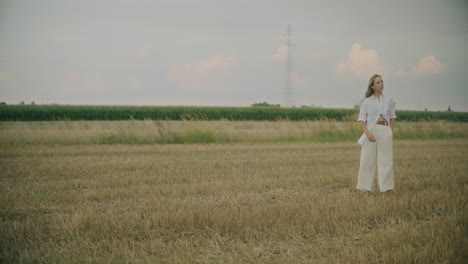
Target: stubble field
<point>230,203</point>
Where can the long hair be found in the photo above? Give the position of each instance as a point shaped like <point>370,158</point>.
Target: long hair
<point>370,90</point>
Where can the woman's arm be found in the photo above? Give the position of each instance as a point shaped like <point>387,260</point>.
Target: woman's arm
<point>392,123</point>
<point>362,121</point>
<point>392,113</point>
<point>368,134</point>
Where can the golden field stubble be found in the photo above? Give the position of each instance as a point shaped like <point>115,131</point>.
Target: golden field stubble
<point>241,203</point>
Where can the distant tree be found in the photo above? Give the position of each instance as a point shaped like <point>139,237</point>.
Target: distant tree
<point>33,103</point>
<point>22,103</point>
<point>2,103</point>
<point>311,106</point>
<point>449,109</point>
<point>425,109</point>
<point>265,104</point>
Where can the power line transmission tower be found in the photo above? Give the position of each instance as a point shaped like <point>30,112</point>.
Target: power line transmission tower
<point>289,88</point>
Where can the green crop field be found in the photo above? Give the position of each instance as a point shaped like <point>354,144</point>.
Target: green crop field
<point>70,112</point>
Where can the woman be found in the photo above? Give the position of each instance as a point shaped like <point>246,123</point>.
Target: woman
<point>377,119</point>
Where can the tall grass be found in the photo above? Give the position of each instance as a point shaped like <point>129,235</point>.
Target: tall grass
<point>222,131</point>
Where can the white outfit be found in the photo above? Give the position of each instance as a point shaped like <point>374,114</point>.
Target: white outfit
<point>381,151</point>
<point>372,108</point>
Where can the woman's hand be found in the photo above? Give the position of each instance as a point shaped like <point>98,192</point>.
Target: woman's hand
<point>369,134</point>
<point>370,137</point>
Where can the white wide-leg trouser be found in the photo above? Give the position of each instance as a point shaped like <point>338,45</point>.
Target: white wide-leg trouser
<point>379,152</point>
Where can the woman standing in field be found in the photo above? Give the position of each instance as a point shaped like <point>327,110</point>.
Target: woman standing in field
<point>377,119</point>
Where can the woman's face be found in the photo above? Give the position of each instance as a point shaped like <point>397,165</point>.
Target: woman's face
<point>378,85</point>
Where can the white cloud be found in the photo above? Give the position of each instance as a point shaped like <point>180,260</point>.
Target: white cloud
<point>282,53</point>
<point>144,51</point>
<point>193,75</point>
<point>296,79</point>
<point>362,63</point>
<point>4,76</point>
<point>428,65</point>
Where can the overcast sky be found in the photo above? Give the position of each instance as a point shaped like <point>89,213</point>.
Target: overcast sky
<point>233,53</point>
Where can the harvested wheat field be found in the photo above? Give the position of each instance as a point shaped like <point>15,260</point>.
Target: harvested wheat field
<point>231,203</point>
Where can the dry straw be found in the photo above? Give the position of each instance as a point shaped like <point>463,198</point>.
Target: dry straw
<point>228,203</point>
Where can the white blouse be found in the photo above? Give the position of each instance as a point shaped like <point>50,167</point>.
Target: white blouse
<point>372,108</point>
